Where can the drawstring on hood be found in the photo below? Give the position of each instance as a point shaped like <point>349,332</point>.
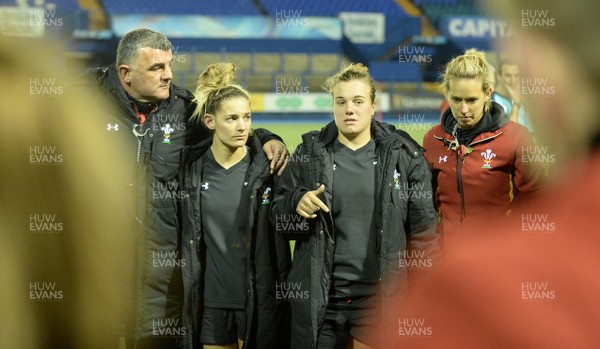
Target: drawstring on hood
<point>491,121</point>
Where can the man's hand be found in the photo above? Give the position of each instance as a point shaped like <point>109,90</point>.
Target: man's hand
<point>310,203</point>
<point>278,154</point>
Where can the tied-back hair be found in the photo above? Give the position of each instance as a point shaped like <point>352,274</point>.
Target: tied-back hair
<point>354,71</point>
<point>470,65</point>
<point>214,87</point>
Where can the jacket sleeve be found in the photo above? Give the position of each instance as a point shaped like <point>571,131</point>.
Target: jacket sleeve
<point>434,184</point>
<point>289,189</point>
<point>421,222</point>
<point>265,136</point>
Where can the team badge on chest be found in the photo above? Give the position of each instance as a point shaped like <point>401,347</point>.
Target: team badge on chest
<point>396,180</point>
<point>488,155</point>
<point>167,131</point>
<point>265,196</point>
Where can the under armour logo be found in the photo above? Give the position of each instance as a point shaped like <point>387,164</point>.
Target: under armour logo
<point>111,127</point>
<point>204,186</point>
<point>443,159</point>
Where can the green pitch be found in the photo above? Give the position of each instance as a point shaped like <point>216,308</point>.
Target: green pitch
<point>292,132</point>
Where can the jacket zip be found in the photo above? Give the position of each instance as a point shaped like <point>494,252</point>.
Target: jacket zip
<point>380,224</point>
<point>459,166</point>
<point>459,187</point>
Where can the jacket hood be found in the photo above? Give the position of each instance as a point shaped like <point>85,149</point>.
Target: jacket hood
<point>491,121</point>
<point>382,133</point>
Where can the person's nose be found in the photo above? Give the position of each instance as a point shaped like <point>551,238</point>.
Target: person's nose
<point>464,108</point>
<point>167,74</point>
<point>243,125</point>
<point>349,108</point>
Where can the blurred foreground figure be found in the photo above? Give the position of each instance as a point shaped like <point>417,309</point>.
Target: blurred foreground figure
<point>65,229</point>
<point>531,282</point>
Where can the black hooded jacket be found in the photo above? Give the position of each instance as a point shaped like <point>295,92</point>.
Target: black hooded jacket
<point>165,275</point>
<point>405,219</point>
<point>269,257</point>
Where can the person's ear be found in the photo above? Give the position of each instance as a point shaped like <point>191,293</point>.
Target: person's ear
<point>374,105</point>
<point>125,73</point>
<point>488,93</point>
<point>209,121</point>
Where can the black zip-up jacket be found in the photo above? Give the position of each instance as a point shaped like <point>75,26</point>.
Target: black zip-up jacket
<point>269,259</point>
<point>165,275</point>
<point>405,217</point>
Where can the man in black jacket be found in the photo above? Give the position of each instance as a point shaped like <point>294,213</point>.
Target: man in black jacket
<point>155,113</point>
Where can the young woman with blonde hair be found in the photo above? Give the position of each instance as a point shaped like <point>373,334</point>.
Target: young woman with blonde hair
<point>229,191</point>
<point>364,190</point>
<point>478,157</point>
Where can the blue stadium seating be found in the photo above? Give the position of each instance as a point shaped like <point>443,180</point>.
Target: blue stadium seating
<point>394,72</point>
<point>67,15</point>
<point>62,6</point>
<point>435,10</point>
<point>332,8</point>
<point>182,7</point>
